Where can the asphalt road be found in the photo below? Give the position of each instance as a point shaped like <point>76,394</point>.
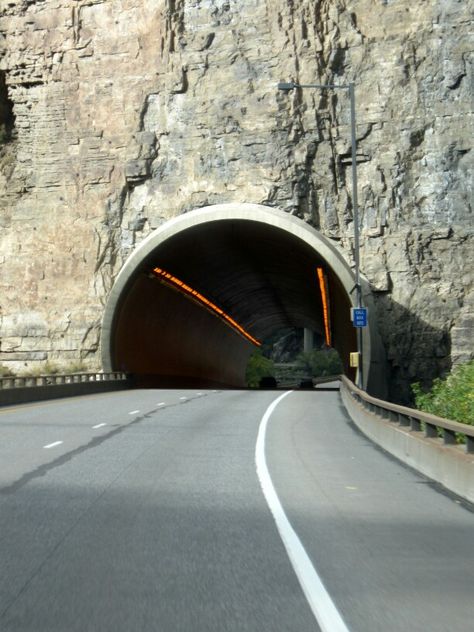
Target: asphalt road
<point>144,510</point>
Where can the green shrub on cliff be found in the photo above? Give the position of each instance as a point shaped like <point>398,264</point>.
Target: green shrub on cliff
<point>258,367</point>
<point>451,397</point>
<point>5,371</point>
<point>320,362</point>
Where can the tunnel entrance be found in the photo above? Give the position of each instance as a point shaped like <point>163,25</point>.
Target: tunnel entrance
<point>198,295</point>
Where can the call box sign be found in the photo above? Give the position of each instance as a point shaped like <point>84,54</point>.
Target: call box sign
<point>359,316</point>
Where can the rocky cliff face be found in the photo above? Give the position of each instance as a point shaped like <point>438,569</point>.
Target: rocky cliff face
<point>116,115</point>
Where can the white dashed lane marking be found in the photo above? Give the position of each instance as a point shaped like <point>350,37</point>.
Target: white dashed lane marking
<point>98,426</point>
<point>133,412</point>
<point>52,445</point>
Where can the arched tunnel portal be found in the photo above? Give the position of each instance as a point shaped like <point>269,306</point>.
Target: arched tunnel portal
<point>194,299</point>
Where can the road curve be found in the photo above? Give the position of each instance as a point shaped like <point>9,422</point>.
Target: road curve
<point>143,510</point>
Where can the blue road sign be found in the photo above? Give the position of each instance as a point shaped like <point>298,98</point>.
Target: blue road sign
<point>359,316</point>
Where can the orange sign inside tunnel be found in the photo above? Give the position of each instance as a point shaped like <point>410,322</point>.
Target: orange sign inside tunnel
<point>323,285</point>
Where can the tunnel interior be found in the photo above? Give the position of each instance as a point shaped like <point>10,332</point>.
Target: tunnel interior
<point>261,276</point>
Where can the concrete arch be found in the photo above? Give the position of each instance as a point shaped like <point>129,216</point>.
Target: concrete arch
<point>131,307</point>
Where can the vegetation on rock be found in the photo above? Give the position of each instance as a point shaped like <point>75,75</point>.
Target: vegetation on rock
<point>320,363</point>
<point>258,367</point>
<point>5,371</point>
<point>47,368</point>
<point>451,397</point>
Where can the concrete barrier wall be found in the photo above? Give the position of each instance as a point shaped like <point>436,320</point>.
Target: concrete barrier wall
<point>448,465</point>
<point>26,394</point>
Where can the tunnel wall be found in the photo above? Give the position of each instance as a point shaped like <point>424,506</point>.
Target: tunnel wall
<point>177,326</point>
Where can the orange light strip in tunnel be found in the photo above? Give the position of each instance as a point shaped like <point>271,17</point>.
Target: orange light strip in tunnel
<point>197,296</point>
<point>323,285</point>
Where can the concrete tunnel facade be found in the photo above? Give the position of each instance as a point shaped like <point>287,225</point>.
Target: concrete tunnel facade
<point>255,264</point>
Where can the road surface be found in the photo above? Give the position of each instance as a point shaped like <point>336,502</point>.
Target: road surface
<point>149,510</point>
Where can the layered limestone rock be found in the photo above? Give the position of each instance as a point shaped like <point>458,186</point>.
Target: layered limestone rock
<point>120,114</point>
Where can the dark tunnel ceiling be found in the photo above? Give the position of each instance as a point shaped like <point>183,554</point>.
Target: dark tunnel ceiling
<point>262,276</point>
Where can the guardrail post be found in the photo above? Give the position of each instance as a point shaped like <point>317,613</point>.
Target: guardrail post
<point>449,436</point>
<point>469,444</point>
<point>403,420</point>
<point>430,430</point>
<point>415,424</point>
<point>381,412</point>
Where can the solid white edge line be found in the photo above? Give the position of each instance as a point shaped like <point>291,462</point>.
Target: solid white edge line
<point>316,594</point>
<point>52,445</point>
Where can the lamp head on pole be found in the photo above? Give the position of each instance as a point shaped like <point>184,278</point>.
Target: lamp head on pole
<point>286,87</point>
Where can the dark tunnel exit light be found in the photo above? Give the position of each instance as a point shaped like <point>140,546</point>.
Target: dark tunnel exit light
<point>188,291</point>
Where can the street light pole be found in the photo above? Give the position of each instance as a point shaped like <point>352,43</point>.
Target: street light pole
<point>355,205</point>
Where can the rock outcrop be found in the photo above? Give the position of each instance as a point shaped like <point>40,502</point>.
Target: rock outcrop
<point>116,115</point>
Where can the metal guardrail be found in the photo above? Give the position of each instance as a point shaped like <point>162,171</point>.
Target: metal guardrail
<point>55,379</point>
<point>326,379</point>
<point>416,420</point>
